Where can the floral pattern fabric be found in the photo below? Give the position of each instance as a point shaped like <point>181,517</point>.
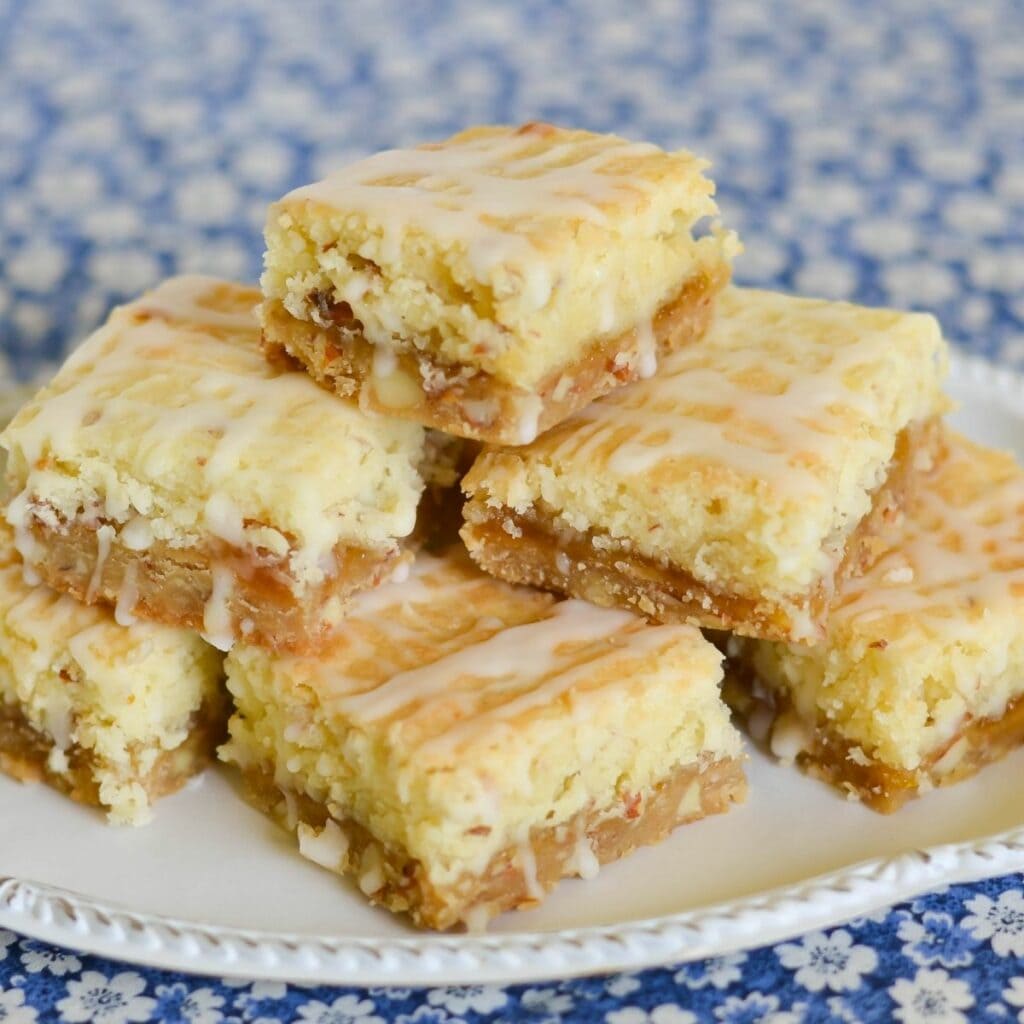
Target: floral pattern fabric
<point>863,149</point>
<point>949,957</point>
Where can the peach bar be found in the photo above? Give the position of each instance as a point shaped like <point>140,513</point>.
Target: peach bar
<point>171,471</point>
<point>920,680</point>
<point>462,744</point>
<point>114,717</point>
<point>492,284</point>
<point>737,486</point>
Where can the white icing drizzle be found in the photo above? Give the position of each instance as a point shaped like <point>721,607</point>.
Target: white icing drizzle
<point>768,393</point>
<point>480,192</point>
<point>411,584</point>
<point>291,808</point>
<point>558,683</point>
<point>528,866</point>
<point>19,516</point>
<point>57,761</point>
<point>959,551</point>
<point>58,721</point>
<point>127,596</point>
<point>104,535</point>
<point>477,918</point>
<point>224,520</point>
<point>217,618</point>
<point>584,861</point>
<point>180,298</point>
<point>509,672</point>
<point>529,419</point>
<point>385,360</point>
<point>528,651</point>
<point>647,350</point>
<point>220,388</point>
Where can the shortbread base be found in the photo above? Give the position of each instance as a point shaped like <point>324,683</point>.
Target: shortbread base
<point>26,755</point>
<point>842,763</point>
<point>538,549</point>
<point>464,400</point>
<point>262,605</point>
<point>392,879</point>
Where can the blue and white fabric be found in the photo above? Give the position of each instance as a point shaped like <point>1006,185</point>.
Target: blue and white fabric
<point>865,149</point>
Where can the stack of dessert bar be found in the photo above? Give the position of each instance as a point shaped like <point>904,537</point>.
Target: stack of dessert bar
<point>459,723</point>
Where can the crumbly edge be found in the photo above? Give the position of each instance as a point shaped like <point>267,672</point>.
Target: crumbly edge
<point>463,399</point>
<point>823,753</point>
<point>523,309</point>
<point>518,877</point>
<point>727,524</point>
<point>539,549</point>
<point>30,755</point>
<point>175,586</point>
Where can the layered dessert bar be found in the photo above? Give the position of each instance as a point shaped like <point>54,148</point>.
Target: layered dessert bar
<point>734,488</point>
<point>920,681</point>
<point>462,745</point>
<point>170,470</point>
<point>115,717</point>
<point>492,284</point>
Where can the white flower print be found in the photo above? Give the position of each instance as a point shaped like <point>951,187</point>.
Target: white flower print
<point>345,1010</point>
<point>254,993</point>
<point>828,961</point>
<point>1014,995</point>
<point>37,958</point>
<point>392,994</point>
<point>258,990</point>
<point>840,1011</point>
<point>13,1009</point>
<point>546,1003</point>
<point>754,1009</point>
<point>620,985</point>
<point>667,1013</point>
<point>427,1015</point>
<point>935,939</point>
<point>7,939</point>
<point>116,1000</point>
<point>201,1006</point>
<point>933,997</point>
<point>1001,921</point>
<point>719,973</point>
<point>463,998</point>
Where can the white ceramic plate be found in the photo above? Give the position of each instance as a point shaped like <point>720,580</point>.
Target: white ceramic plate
<point>211,887</point>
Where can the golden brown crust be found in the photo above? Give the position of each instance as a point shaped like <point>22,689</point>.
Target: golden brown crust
<point>470,402</point>
<point>400,882</point>
<point>173,585</point>
<point>843,764</point>
<point>25,753</point>
<point>531,548</point>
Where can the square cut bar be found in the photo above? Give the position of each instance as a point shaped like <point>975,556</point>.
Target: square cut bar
<point>732,489</point>
<point>113,716</point>
<point>921,679</point>
<point>492,284</point>
<point>171,470</point>
<point>463,744</point>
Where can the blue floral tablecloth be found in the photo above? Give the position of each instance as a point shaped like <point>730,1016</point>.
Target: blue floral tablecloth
<point>870,149</point>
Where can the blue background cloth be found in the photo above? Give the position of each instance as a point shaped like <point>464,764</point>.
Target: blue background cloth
<point>864,149</point>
